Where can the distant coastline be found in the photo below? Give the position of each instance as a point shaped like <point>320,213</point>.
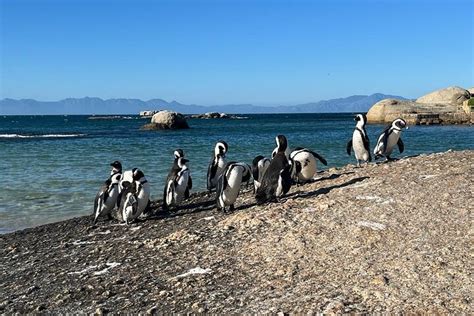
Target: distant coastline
<point>98,106</point>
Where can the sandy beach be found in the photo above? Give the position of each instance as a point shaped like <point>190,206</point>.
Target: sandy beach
<point>393,237</point>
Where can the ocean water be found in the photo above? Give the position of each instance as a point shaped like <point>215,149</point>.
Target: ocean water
<point>52,166</point>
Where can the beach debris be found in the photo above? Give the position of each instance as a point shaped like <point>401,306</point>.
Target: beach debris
<point>89,268</point>
<point>427,176</point>
<point>82,242</point>
<point>100,233</point>
<point>209,218</point>
<point>372,225</point>
<point>197,270</point>
<point>110,265</point>
<point>376,199</point>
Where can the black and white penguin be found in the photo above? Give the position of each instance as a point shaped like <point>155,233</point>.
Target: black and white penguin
<point>228,186</point>
<point>305,166</point>
<point>277,179</point>
<point>108,194</point>
<point>178,153</point>
<point>217,164</point>
<point>178,184</point>
<point>135,196</point>
<point>287,150</point>
<point>259,166</point>
<point>247,173</point>
<point>360,141</point>
<point>389,138</point>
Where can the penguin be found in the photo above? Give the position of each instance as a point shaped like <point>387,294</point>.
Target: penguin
<point>217,164</point>
<point>135,196</point>
<point>389,138</point>
<point>178,184</point>
<point>304,164</point>
<point>247,173</point>
<point>107,196</point>
<point>259,166</point>
<point>287,150</point>
<point>277,179</point>
<point>128,206</point>
<point>360,141</point>
<point>178,153</point>
<point>228,186</point>
<point>143,190</point>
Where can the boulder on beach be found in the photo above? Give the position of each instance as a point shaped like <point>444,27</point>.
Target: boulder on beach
<point>445,102</point>
<point>167,120</point>
<point>450,95</point>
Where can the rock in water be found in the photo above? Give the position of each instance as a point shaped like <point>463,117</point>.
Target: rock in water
<point>450,95</point>
<point>167,120</point>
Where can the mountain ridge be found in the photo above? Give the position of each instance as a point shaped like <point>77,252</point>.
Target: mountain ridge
<point>95,105</point>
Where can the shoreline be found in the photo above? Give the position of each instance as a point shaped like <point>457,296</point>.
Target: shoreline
<point>373,239</point>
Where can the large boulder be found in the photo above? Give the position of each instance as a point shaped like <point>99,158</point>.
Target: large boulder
<point>451,95</point>
<point>389,109</point>
<point>167,120</point>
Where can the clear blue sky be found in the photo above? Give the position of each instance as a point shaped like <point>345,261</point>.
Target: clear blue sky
<point>222,52</point>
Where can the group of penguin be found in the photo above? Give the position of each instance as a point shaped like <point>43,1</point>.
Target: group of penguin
<point>129,191</point>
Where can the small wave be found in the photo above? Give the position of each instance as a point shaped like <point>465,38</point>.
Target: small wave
<point>41,136</point>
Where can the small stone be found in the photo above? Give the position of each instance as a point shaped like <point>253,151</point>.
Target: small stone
<point>152,310</point>
<point>40,308</point>
<point>380,280</point>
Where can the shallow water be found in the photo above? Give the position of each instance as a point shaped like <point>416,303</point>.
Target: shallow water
<point>52,166</point>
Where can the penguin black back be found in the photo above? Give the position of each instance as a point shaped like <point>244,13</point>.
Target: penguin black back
<point>279,166</point>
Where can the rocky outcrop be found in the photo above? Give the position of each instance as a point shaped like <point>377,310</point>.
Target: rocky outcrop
<point>167,120</point>
<point>447,103</point>
<point>451,95</point>
<point>211,115</point>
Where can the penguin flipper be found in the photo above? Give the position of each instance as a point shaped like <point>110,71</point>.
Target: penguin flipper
<point>211,172</point>
<point>349,147</point>
<point>190,183</point>
<point>401,146</point>
<point>320,158</point>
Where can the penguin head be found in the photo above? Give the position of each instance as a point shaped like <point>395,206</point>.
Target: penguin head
<point>399,124</point>
<point>221,148</point>
<point>282,143</point>
<point>362,118</point>
<point>182,162</point>
<point>117,166</point>
<point>137,174</point>
<point>178,153</point>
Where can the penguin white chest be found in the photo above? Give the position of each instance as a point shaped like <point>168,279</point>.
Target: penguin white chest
<point>358,144</point>
<point>181,185</point>
<point>392,141</point>
<point>234,180</point>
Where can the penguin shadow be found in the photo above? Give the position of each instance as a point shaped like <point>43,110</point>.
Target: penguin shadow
<point>325,190</point>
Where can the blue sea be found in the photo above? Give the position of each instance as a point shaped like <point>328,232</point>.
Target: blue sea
<point>52,166</point>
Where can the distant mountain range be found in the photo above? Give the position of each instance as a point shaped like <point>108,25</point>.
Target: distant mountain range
<point>88,105</point>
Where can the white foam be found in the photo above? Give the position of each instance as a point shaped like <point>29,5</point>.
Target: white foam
<point>41,136</point>
<point>197,270</point>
